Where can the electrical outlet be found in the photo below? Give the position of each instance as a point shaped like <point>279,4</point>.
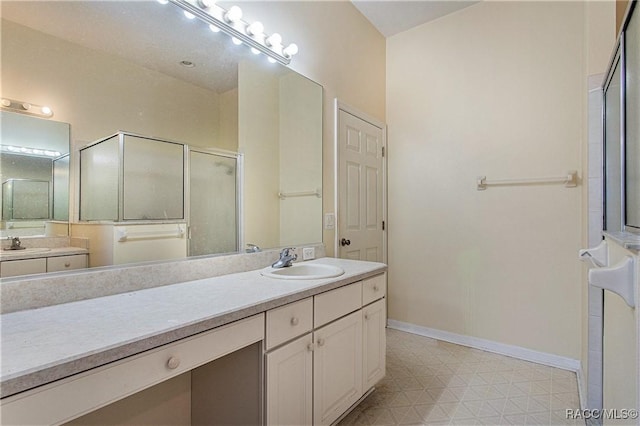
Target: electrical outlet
<point>308,253</point>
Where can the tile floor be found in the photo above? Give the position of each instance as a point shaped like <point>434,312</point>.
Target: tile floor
<point>430,382</point>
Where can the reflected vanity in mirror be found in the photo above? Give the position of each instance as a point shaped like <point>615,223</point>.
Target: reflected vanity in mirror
<point>34,171</point>
<point>249,131</point>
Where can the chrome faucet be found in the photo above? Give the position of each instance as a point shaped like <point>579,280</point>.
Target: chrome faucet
<point>16,244</point>
<point>252,248</point>
<point>286,257</point>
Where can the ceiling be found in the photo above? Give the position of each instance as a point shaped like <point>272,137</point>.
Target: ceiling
<point>391,17</point>
<point>151,35</point>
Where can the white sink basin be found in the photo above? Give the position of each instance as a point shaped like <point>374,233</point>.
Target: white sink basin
<point>26,250</point>
<point>303,271</point>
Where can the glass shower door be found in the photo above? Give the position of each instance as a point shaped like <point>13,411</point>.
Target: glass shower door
<point>213,207</point>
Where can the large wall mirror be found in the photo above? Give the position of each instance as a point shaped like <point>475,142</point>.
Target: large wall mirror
<point>34,171</point>
<point>142,68</point>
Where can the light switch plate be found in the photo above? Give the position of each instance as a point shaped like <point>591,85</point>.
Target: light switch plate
<point>329,221</point>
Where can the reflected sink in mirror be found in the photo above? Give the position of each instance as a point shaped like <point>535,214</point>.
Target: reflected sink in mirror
<point>303,271</point>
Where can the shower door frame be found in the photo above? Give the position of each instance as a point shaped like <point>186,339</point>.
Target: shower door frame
<point>239,157</point>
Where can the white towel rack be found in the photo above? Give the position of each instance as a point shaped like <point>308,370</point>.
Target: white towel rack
<point>570,180</point>
<point>123,235</point>
<point>284,195</point>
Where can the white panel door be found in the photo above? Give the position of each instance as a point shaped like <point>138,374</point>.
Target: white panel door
<point>360,188</point>
<point>337,368</point>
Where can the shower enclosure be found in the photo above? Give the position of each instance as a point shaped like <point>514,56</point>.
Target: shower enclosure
<point>130,180</point>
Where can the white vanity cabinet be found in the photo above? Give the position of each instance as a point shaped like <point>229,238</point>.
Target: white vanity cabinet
<point>66,263</point>
<point>13,268</point>
<point>67,399</point>
<point>337,368</point>
<point>333,361</point>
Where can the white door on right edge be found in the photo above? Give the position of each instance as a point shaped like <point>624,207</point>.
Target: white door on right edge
<point>360,186</point>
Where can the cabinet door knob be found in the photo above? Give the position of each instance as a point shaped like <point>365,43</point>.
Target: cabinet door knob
<point>320,342</point>
<point>295,321</point>
<point>173,363</point>
<point>310,347</point>
<point>375,288</point>
<point>67,264</point>
<point>366,317</point>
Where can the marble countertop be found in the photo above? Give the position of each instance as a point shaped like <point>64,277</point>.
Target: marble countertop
<point>51,252</point>
<point>42,345</point>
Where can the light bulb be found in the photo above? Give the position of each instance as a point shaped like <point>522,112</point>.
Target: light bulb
<point>233,15</point>
<point>236,41</point>
<point>273,61</point>
<point>206,4</point>
<point>255,29</point>
<point>46,110</point>
<point>6,102</point>
<point>214,28</point>
<point>189,15</point>
<point>274,39</point>
<point>255,51</point>
<point>290,50</point>
<point>163,1</point>
<point>26,106</point>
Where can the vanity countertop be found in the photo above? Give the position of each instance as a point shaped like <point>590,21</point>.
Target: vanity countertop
<point>42,345</point>
<point>38,253</point>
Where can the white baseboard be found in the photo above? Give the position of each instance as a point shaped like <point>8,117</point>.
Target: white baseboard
<point>491,346</point>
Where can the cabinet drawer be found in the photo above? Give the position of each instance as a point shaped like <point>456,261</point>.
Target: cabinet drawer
<point>65,263</point>
<point>289,321</point>
<point>12,268</point>
<point>374,288</point>
<point>336,303</point>
<point>67,399</point>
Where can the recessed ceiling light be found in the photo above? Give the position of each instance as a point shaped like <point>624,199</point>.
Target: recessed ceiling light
<point>187,64</point>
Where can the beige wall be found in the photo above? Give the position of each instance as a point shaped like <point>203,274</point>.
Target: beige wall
<point>497,89</point>
<point>49,71</point>
<point>340,50</point>
<point>258,134</point>
<point>300,159</point>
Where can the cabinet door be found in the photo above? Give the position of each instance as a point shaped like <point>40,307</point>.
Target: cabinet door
<point>289,383</point>
<point>65,263</point>
<point>337,368</point>
<point>12,268</point>
<point>374,343</point>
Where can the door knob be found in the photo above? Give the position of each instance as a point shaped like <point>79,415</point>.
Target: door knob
<point>345,242</point>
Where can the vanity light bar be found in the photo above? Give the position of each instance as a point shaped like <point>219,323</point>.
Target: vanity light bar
<point>29,151</point>
<point>230,21</point>
<point>26,108</point>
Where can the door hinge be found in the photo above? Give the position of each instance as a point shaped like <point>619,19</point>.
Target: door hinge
<point>383,151</point>
<point>383,225</point>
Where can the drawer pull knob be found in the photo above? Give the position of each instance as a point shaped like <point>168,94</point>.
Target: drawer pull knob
<point>310,347</point>
<point>366,317</point>
<point>295,321</point>
<point>173,363</point>
<point>67,264</point>
<point>320,342</point>
<point>375,288</point>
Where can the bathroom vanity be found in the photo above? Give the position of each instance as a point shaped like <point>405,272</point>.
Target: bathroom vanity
<point>43,254</point>
<point>236,348</point>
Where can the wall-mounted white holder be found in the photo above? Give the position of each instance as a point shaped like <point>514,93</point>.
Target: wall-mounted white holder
<point>122,235</point>
<point>598,256</point>
<point>619,279</point>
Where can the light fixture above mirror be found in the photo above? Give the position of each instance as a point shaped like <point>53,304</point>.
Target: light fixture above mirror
<point>230,21</point>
